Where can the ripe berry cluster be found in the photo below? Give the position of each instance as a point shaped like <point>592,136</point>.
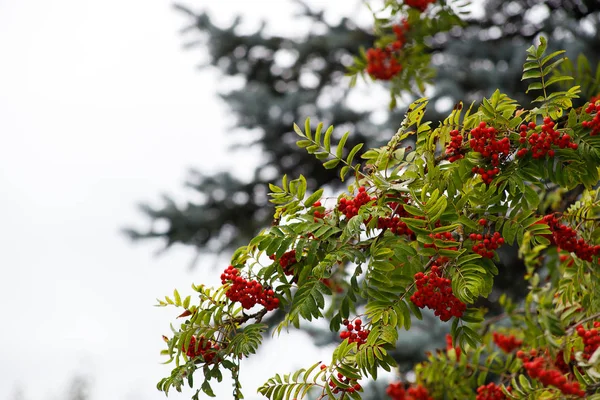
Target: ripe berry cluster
<point>381,62</point>
<point>205,348</point>
<point>317,214</point>
<point>287,260</point>
<point>559,362</point>
<point>537,368</point>
<point>420,5</point>
<point>354,332</point>
<point>566,238</point>
<point>491,391</point>
<point>350,207</point>
<point>484,141</point>
<point>507,343</point>
<point>487,243</point>
<point>445,236</point>
<point>591,339</point>
<point>354,385</point>
<point>594,124</point>
<point>435,293</point>
<point>393,223</point>
<point>247,293</point>
<point>541,143</point>
<point>397,391</point>
<point>453,149</point>
<point>400,32</point>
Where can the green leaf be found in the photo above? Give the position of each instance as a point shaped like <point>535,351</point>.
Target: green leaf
<point>303,143</point>
<point>313,198</point>
<point>307,128</point>
<point>340,148</point>
<point>298,131</point>
<point>353,152</point>
<point>542,47</point>
<point>531,74</point>
<point>327,138</point>
<point>331,163</point>
<point>534,86</point>
<point>318,133</point>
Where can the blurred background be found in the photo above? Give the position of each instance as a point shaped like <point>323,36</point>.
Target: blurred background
<point>186,110</point>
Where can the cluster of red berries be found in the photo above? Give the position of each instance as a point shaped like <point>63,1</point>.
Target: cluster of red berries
<point>287,260</point>
<point>594,124</point>
<point>449,347</point>
<point>559,362</point>
<point>435,293</point>
<point>354,385</point>
<point>491,391</point>
<point>537,368</point>
<point>487,175</point>
<point>541,143</point>
<point>397,391</point>
<point>317,214</point>
<point>394,225</point>
<point>454,148</point>
<point>566,238</point>
<point>400,32</point>
<point>350,207</point>
<point>508,344</point>
<point>591,339</point>
<point>487,243</point>
<point>354,332</point>
<point>445,236</point>
<point>420,5</point>
<point>201,347</point>
<point>247,293</point>
<point>381,62</point>
<point>484,141</point>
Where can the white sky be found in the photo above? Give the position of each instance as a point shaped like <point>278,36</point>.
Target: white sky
<point>100,109</point>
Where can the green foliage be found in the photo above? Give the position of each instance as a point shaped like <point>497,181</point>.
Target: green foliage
<point>418,228</point>
<point>539,66</point>
<point>322,149</point>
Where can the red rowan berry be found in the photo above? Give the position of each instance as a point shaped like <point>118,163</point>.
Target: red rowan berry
<point>248,294</point>
<point>201,347</point>
<point>354,332</point>
<point>487,244</point>
<point>491,392</point>
<point>507,343</point>
<point>566,238</point>
<point>350,207</point>
<point>591,340</point>
<point>435,292</point>
<point>483,140</point>
<point>538,368</point>
<point>382,63</point>
<point>454,149</point>
<point>541,141</point>
<point>420,5</point>
<point>594,124</point>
